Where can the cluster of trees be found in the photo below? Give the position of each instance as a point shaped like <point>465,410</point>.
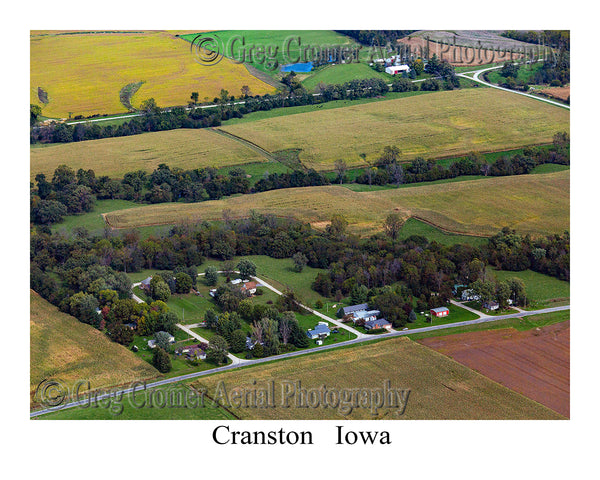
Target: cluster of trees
<point>500,292</point>
<point>354,89</point>
<point>556,71</point>
<point>388,170</point>
<point>549,255</point>
<point>66,194</point>
<point>62,267</point>
<point>442,69</point>
<point>376,37</point>
<point>552,38</point>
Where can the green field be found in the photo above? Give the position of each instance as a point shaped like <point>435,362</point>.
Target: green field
<point>275,38</point>
<point>184,148</point>
<point>442,124</point>
<point>92,221</point>
<point>540,289</point>
<point>535,204</point>
<point>341,73</point>
<point>145,406</point>
<point>549,168</point>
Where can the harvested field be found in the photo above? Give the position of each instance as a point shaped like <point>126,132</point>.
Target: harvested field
<point>458,55</point>
<point>562,93</point>
<point>440,388</point>
<point>535,204</point>
<point>62,348</point>
<point>84,73</point>
<point>533,362</point>
<point>471,38</point>
<point>433,126</point>
<point>114,157</point>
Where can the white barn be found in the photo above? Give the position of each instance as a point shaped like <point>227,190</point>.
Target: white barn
<point>397,69</point>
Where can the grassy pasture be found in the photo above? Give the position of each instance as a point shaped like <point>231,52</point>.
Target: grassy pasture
<point>84,73</point>
<point>340,73</point>
<point>440,388</point>
<point>540,288</point>
<point>65,349</point>
<point>275,38</point>
<point>114,157</point>
<point>535,204</point>
<point>442,124</point>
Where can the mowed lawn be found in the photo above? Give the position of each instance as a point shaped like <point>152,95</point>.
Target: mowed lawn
<point>340,73</point>
<point>540,288</point>
<point>184,148</point>
<point>440,388</point>
<point>62,348</point>
<point>84,73</point>
<point>448,123</point>
<point>535,204</point>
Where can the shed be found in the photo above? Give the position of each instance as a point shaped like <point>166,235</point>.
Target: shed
<point>439,312</point>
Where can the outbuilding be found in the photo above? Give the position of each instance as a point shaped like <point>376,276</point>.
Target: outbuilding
<point>439,312</point>
<point>397,69</point>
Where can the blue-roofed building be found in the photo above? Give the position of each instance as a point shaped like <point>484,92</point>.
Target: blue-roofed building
<point>321,330</point>
<point>352,309</point>
<point>377,324</point>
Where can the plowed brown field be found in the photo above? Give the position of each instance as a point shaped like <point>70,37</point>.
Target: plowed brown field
<point>533,362</point>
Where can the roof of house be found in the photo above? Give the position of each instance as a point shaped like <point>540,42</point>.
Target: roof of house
<point>367,313</point>
<point>377,323</point>
<point>320,328</point>
<point>439,309</point>
<point>491,304</point>
<point>249,285</point>
<point>146,281</point>
<point>236,281</point>
<point>354,308</point>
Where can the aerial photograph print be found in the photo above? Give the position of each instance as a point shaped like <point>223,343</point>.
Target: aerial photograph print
<point>299,225</point>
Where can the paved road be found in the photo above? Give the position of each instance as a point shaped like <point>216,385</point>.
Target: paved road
<point>476,78</point>
<point>365,338</point>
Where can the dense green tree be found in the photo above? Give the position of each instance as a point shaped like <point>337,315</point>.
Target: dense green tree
<point>247,269</point>
<point>163,340</point>
<point>217,350</point>
<point>300,261</point>
<point>183,283</point>
<point>161,360</point>
<point>237,341</point>
<point>211,276</point>
<point>159,290</point>
<point>121,334</point>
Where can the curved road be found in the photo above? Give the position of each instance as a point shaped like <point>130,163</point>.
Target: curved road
<point>476,78</point>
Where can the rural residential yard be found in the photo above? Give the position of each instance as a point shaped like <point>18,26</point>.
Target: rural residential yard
<point>348,227</point>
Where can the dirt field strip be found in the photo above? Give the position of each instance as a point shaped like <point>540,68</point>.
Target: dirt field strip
<point>535,363</point>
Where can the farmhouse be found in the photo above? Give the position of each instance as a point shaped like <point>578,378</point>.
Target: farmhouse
<point>145,284</point>
<point>439,312</point>
<point>193,352</point>
<point>249,288</point>
<point>358,312</point>
<point>491,305</point>
<point>152,343</point>
<point>377,324</point>
<point>468,295</point>
<point>320,331</point>
<point>397,69</point>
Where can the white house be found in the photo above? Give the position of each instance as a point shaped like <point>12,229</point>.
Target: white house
<point>320,331</point>
<point>469,295</point>
<point>152,343</point>
<point>397,69</point>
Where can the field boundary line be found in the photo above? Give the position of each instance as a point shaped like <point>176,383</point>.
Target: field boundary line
<point>251,145</point>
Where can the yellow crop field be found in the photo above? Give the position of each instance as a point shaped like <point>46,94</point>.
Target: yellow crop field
<point>62,348</point>
<point>535,204</point>
<point>440,124</point>
<point>83,74</point>
<point>114,157</point>
<point>440,388</point>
